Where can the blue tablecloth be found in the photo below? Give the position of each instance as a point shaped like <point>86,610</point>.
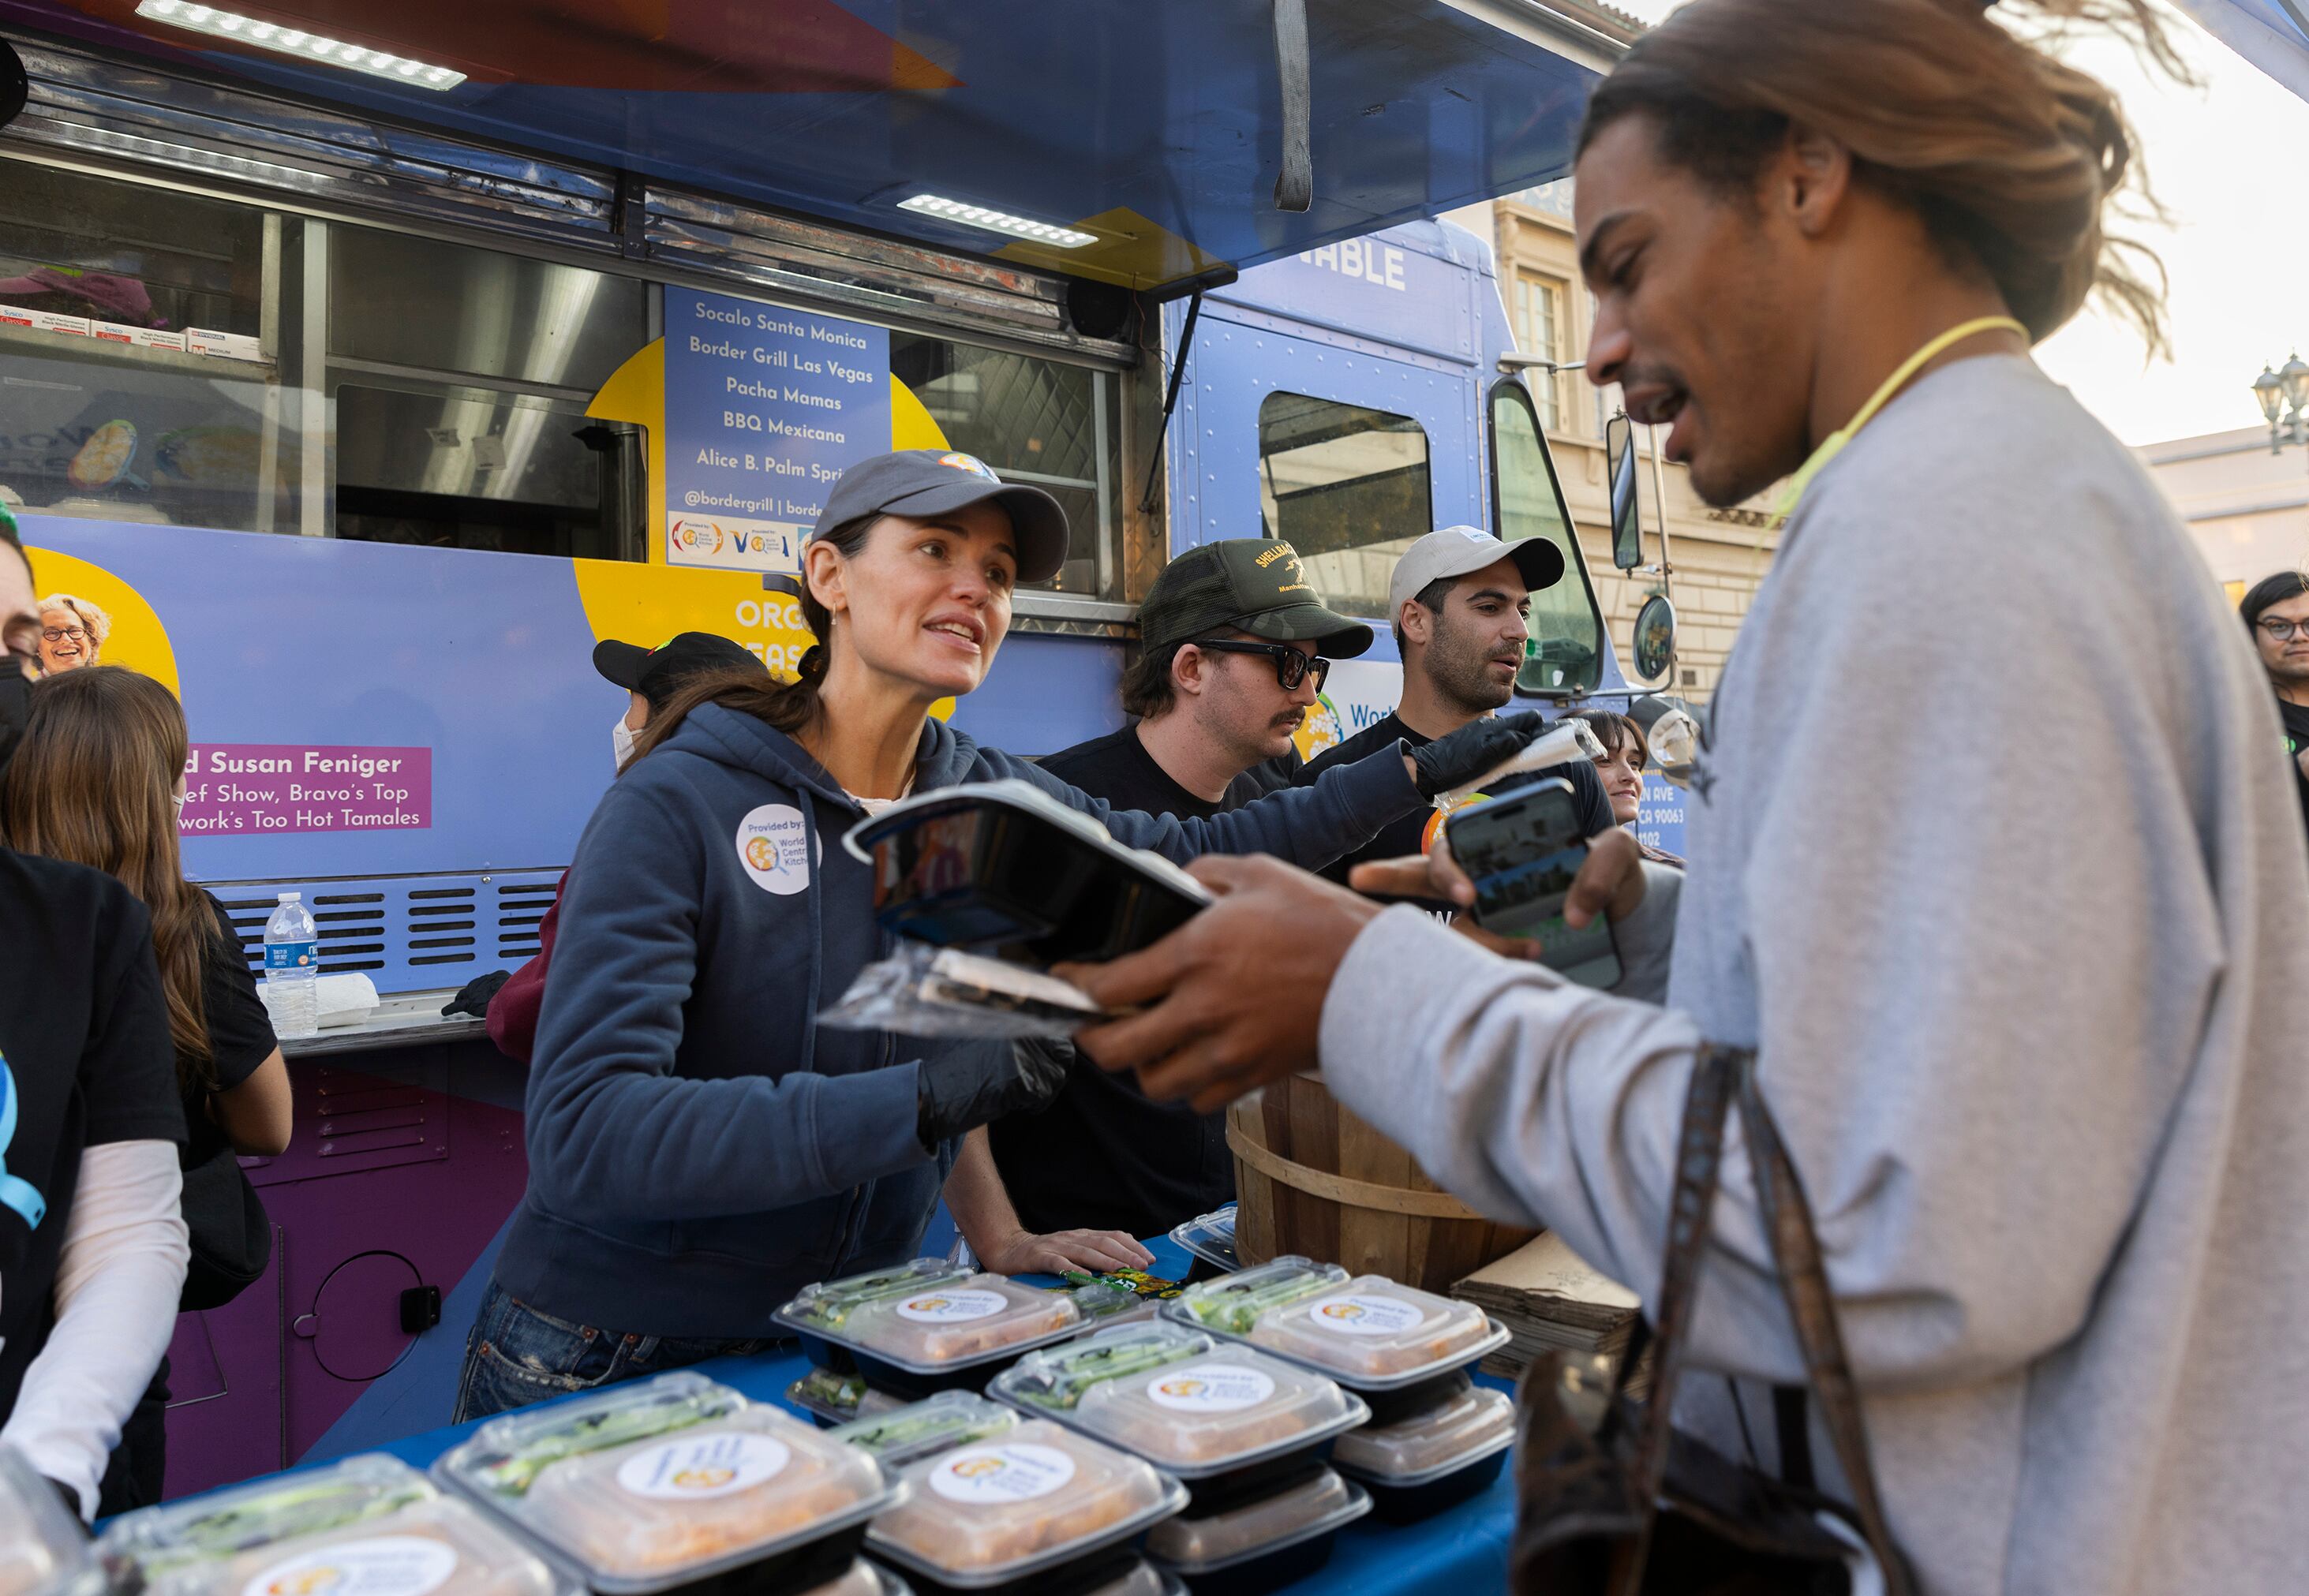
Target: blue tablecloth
<point>1461,1551</point>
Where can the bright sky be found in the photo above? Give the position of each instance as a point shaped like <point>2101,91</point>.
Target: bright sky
<point>2227,160</point>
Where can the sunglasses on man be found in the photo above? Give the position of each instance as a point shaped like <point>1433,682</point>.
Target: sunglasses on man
<point>1291,666</point>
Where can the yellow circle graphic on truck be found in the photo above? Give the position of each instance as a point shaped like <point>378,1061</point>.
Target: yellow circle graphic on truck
<point>137,640</point>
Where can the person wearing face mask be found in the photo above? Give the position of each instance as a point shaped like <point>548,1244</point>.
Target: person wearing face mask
<point>650,677</point>
<point>93,1246</point>
<point>700,1147</point>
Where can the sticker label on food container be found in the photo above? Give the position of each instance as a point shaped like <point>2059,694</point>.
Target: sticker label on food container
<point>989,1476</point>
<point>1210,1388</point>
<point>952,1307</point>
<point>1357,1315</point>
<point>705,1467</point>
<point>381,1565</point>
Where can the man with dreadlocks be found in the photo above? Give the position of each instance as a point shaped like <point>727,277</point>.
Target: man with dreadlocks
<point>2038,1064</point>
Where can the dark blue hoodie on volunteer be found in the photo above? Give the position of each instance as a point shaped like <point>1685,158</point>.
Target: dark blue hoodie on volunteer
<point>700,1148</point>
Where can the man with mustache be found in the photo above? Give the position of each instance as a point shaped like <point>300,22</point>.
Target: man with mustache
<point>1460,602</point>
<point>2038,1066</point>
<point>1234,643</point>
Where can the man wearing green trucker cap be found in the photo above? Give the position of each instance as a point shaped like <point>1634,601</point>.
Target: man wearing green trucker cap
<point>1234,643</point>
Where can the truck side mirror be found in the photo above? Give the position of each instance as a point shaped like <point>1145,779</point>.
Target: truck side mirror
<point>1627,523</point>
<point>1654,638</point>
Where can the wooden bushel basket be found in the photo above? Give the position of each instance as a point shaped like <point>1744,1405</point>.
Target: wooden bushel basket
<point>1312,1179</point>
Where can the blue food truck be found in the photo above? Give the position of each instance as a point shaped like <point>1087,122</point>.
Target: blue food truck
<point>364,392</point>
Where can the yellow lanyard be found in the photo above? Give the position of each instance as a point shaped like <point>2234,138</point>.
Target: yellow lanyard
<point>1833,445</point>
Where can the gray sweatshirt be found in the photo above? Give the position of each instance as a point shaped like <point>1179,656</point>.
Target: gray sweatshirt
<point>1988,860</point>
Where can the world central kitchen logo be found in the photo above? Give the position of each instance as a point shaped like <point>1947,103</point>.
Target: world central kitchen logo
<point>698,537</point>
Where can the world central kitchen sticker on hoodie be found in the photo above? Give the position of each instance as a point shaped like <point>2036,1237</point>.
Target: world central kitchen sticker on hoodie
<point>774,846</point>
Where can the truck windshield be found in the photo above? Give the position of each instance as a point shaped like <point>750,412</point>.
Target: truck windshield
<point>1565,655</point>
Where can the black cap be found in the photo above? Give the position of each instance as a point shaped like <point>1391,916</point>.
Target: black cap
<point>924,482</point>
<point>1252,583</point>
<point>656,673</point>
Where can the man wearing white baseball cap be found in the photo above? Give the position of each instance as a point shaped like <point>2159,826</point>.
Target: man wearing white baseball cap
<point>1460,605</point>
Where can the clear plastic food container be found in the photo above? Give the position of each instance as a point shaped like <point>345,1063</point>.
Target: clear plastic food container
<point>1142,1579</point>
<point>827,1305</point>
<point>1013,1505</point>
<point>664,1481</point>
<point>933,1425</point>
<point>1233,1305</point>
<point>1210,1236</point>
<point>1465,1428</point>
<point>1377,1334</point>
<point>1288,1520</point>
<point>833,1398</point>
<point>43,1549</point>
<point>370,1523</point>
<point>947,1324</point>
<point>1181,1399</point>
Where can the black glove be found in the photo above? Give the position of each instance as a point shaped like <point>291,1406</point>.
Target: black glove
<point>473,998</point>
<point>1476,748</point>
<point>964,1089</point>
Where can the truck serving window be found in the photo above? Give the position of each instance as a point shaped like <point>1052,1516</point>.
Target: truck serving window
<point>1566,651</point>
<point>1345,486</point>
<point>1034,421</point>
<point>459,379</point>
<point>139,340</point>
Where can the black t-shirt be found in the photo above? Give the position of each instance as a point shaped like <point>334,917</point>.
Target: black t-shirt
<point>1401,838</point>
<point>240,1033</point>
<point>2296,737</point>
<point>84,1036</point>
<point>1102,1157</point>
<point>1116,767</point>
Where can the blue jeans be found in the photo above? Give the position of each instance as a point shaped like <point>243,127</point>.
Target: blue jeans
<point>516,1355</point>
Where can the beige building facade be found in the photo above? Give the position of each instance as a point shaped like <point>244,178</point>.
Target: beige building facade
<point>2247,507</point>
<point>1714,559</point>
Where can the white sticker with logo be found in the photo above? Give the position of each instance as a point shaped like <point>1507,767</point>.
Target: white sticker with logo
<point>705,1467</point>
<point>992,1476</point>
<point>1356,1315</point>
<point>1211,1388</point>
<point>772,846</point>
<point>952,1307</point>
<point>381,1565</point>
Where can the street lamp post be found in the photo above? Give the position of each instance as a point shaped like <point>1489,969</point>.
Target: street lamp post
<point>2284,396</point>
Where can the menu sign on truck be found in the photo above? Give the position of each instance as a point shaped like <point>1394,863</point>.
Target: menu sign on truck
<point>765,409</point>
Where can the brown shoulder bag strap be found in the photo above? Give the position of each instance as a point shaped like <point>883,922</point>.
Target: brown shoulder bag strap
<point>1698,1159</point>
<point>1803,1281</point>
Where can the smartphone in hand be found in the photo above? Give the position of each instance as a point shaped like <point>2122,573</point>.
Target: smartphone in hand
<point>1521,851</point>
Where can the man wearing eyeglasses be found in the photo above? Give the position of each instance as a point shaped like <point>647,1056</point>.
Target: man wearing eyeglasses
<point>2276,610</point>
<point>1234,643</point>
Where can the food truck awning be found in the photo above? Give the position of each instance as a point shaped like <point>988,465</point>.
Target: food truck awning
<point>1157,128</point>
<point>2271,34</point>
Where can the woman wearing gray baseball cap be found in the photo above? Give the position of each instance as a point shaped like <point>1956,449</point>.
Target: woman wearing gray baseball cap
<point>699,1148</point>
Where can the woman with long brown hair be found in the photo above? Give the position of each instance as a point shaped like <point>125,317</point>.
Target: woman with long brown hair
<point>98,780</point>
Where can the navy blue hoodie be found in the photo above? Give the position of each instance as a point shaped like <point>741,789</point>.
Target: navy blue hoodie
<point>698,1148</point>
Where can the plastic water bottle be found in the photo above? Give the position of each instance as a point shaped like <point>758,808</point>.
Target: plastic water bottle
<point>292,969</point>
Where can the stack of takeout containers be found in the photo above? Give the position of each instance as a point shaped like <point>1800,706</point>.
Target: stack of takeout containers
<point>998,1503</point>
<point>1433,1438</point>
<point>43,1549</point>
<point>927,1327</point>
<point>1247,1433</point>
<point>678,1484</point>
<point>370,1524</point>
